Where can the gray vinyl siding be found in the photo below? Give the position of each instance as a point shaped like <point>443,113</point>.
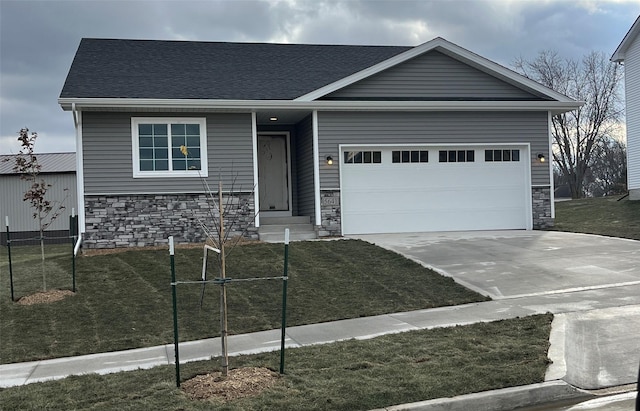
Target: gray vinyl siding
<point>107,155</point>
<point>432,75</point>
<point>20,212</point>
<point>440,128</point>
<point>632,92</point>
<point>304,160</point>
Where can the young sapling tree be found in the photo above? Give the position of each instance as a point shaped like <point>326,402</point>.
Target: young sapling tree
<point>45,211</point>
<point>218,230</point>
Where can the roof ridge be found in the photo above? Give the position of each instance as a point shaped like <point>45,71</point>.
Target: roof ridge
<point>244,42</point>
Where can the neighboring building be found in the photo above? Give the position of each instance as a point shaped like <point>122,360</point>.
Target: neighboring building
<point>629,52</point>
<point>354,139</point>
<point>59,170</point>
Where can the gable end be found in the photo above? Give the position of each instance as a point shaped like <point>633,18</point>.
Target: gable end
<point>432,76</point>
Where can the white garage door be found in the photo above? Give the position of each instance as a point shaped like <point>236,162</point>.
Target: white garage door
<point>413,189</point>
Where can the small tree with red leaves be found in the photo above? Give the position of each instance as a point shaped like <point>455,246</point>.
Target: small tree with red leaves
<point>45,211</point>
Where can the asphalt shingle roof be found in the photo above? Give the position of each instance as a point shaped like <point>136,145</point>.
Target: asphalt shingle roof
<point>108,68</point>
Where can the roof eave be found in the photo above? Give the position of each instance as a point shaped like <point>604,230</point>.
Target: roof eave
<point>619,55</point>
<point>124,104</point>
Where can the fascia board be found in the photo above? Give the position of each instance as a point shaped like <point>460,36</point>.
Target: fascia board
<point>619,54</point>
<point>121,104</point>
<point>450,49</point>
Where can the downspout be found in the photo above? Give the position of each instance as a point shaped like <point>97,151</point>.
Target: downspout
<point>316,168</point>
<point>77,122</point>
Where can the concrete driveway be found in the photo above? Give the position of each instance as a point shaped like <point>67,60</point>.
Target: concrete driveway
<point>512,264</point>
<point>590,283</point>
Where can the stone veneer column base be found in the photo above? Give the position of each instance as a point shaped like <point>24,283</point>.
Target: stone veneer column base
<point>541,207</point>
<point>149,220</point>
<point>330,221</point>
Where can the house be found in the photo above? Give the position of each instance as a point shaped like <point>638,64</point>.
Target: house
<point>57,169</point>
<point>350,139</point>
<point>628,52</point>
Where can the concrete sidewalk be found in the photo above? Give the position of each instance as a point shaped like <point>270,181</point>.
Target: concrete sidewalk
<point>586,360</point>
<point>358,328</point>
<point>611,359</point>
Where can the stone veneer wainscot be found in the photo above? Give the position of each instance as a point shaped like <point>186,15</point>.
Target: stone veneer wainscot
<point>541,207</point>
<point>148,220</point>
<point>330,220</point>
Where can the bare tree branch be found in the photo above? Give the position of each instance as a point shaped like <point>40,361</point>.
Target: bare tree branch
<point>578,133</point>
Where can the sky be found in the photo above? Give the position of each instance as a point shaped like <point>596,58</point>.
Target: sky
<point>38,39</point>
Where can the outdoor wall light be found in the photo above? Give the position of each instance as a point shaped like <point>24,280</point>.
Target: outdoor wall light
<point>329,160</point>
<point>541,158</point>
<point>273,118</point>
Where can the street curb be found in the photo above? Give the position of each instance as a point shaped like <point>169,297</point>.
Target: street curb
<point>505,399</point>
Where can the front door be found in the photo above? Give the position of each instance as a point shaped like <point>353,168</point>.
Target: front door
<point>273,174</point>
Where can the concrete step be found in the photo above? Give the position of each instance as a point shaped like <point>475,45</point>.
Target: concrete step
<point>279,228</point>
<point>285,220</point>
<point>279,237</point>
<point>272,229</point>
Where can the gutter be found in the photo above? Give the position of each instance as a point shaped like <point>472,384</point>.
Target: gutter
<point>129,104</point>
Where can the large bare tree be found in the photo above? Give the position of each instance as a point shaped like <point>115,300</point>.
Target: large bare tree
<point>577,134</point>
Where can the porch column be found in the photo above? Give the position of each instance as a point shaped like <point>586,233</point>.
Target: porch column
<point>256,191</point>
<point>316,168</point>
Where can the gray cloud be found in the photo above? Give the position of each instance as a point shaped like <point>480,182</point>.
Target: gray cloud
<point>38,38</point>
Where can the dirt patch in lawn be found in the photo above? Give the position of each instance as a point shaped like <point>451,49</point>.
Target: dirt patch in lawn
<point>45,297</point>
<point>240,383</point>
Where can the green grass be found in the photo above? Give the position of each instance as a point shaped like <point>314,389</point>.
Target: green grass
<point>27,268</point>
<point>604,216</point>
<point>349,375</point>
<point>124,300</point>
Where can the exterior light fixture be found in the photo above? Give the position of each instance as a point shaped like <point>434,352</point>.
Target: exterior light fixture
<point>273,118</point>
<point>541,158</point>
<point>329,160</point>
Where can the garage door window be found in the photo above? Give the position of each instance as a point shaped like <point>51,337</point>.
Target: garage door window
<point>363,157</point>
<point>456,156</point>
<point>501,155</point>
<point>410,156</point>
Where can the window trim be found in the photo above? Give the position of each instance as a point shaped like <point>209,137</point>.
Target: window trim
<point>135,147</point>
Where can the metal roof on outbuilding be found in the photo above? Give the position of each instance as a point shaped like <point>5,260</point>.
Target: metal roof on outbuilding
<point>112,68</point>
<point>50,162</point>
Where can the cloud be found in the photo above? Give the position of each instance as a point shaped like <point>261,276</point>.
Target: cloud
<point>38,38</point>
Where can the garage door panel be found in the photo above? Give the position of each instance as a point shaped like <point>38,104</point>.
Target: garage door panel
<point>402,199</point>
<point>435,220</point>
<point>378,198</point>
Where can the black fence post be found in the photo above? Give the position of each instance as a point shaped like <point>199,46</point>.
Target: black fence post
<point>9,252</point>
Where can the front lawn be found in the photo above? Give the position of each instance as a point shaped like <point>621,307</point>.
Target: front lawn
<point>604,216</point>
<point>349,375</point>
<point>124,299</point>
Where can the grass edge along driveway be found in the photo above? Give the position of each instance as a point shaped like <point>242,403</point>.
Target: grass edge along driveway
<point>124,299</point>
